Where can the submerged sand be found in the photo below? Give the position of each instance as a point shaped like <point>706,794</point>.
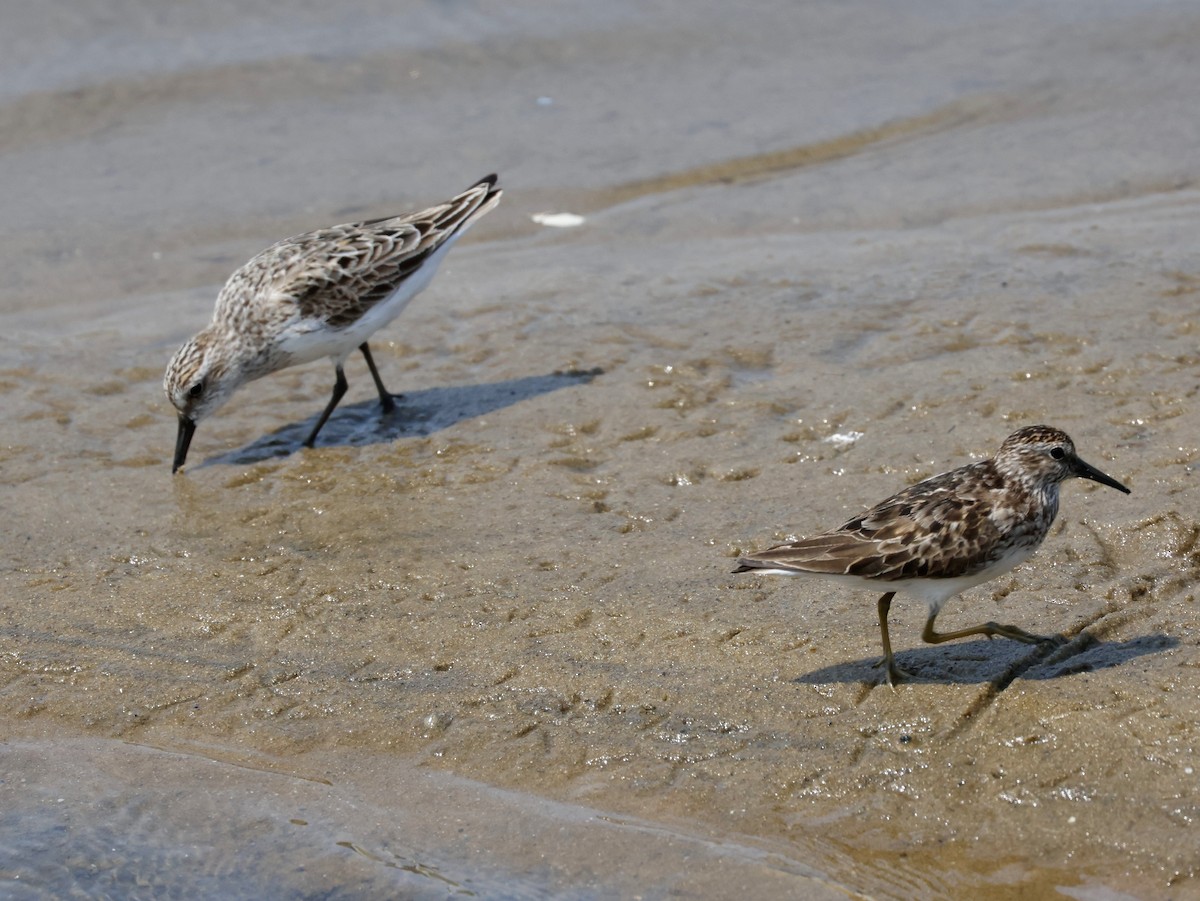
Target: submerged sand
<point>492,644</point>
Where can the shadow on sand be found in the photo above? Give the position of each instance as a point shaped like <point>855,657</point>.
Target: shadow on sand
<point>417,414</point>
<point>998,661</point>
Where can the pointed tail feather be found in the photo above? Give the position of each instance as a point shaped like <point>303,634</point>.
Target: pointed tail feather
<point>446,220</point>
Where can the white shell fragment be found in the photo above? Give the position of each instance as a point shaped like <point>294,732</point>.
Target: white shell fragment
<point>558,220</point>
<point>842,440</point>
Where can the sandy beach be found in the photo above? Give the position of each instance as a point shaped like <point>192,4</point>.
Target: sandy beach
<point>491,644</point>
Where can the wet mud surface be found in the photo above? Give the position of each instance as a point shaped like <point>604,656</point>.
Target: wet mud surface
<point>513,594</point>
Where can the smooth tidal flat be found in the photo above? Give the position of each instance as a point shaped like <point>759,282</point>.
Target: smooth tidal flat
<point>491,645</point>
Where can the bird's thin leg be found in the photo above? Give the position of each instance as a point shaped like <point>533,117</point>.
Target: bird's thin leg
<point>385,399</point>
<point>339,391</point>
<point>989,629</point>
<point>895,674</point>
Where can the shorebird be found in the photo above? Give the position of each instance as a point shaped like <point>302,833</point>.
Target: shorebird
<point>946,534</point>
<point>320,294</point>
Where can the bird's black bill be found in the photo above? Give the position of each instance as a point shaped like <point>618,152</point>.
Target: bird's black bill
<point>187,428</point>
<point>1087,471</point>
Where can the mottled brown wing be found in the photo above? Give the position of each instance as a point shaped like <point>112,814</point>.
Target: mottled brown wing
<point>338,273</point>
<point>358,265</point>
<point>943,525</point>
<point>349,273</point>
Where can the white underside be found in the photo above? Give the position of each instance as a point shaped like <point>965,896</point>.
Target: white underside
<point>311,339</point>
<point>934,592</point>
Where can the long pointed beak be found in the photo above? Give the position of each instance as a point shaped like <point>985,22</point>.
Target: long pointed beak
<point>1087,471</point>
<point>187,428</point>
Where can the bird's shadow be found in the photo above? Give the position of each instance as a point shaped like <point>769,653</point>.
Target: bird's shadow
<point>999,662</point>
<point>417,414</point>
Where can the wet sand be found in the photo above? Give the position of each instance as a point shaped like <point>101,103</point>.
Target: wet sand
<point>511,601</point>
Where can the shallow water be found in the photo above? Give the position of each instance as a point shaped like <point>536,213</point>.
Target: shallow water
<point>923,228</point>
<point>235,828</point>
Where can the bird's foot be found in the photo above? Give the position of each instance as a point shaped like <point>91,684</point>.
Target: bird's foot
<point>894,673</point>
<point>1017,634</point>
<point>387,403</point>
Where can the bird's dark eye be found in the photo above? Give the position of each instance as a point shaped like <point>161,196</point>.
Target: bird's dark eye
<point>1057,453</point>
<point>196,390</point>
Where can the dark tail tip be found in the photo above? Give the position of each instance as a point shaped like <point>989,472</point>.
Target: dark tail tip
<point>492,191</point>
<point>743,568</point>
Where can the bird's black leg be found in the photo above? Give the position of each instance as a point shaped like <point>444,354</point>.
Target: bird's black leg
<point>385,399</point>
<point>339,391</point>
